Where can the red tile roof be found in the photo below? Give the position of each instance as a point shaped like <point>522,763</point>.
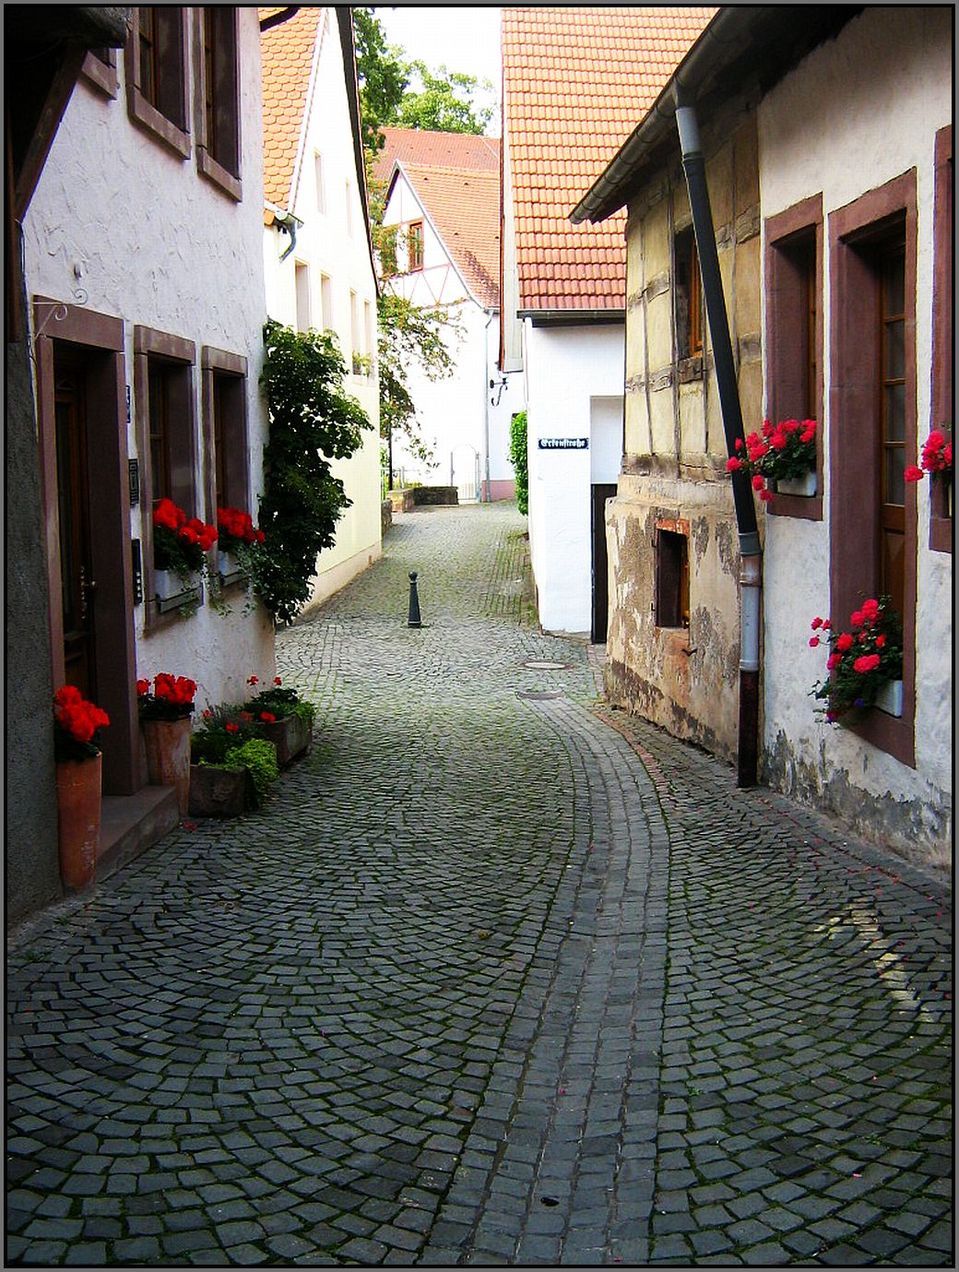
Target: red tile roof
<point>463,205</point>
<point>576,82</point>
<point>438,149</point>
<point>287,58</point>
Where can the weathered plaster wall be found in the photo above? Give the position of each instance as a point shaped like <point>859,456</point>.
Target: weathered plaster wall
<point>858,112</point>
<point>566,369</point>
<point>686,681</point>
<point>32,877</point>
<point>332,242</point>
<point>122,225</point>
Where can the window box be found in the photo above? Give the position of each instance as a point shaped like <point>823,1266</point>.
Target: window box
<point>806,486</point>
<point>229,569</point>
<point>174,592</point>
<point>889,698</point>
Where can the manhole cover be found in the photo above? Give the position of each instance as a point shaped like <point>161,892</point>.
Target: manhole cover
<point>538,694</point>
<point>542,664</point>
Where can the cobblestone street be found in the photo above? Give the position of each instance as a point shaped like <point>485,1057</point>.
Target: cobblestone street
<point>499,976</point>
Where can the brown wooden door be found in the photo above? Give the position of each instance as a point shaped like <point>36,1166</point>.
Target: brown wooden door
<point>76,568</point>
<point>600,608</point>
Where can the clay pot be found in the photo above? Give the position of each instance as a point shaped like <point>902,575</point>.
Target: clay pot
<point>78,807</point>
<point>168,756</point>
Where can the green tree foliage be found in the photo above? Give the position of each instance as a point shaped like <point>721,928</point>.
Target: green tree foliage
<point>519,458</point>
<point>445,103</point>
<point>383,74</point>
<point>312,421</point>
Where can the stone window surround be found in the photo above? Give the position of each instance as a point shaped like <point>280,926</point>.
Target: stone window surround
<point>222,177</point>
<point>213,364</point>
<point>942,407</point>
<point>101,72</point>
<point>144,112</point>
<point>149,343</point>
<point>801,221</point>
<point>852,449</point>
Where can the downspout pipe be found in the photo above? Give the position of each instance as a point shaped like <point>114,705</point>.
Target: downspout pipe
<point>750,570</point>
<point>486,495</point>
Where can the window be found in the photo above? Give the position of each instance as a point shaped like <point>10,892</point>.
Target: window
<point>873,512</point>
<point>166,435</point>
<point>414,246</point>
<point>348,192</point>
<point>672,578</point>
<point>302,284</point>
<point>355,336</point>
<point>688,295</point>
<point>218,123</point>
<point>326,302</point>
<point>940,526</point>
<point>225,430</point>
<point>368,333</point>
<point>794,333</point>
<point>319,182</point>
<point>156,74</point>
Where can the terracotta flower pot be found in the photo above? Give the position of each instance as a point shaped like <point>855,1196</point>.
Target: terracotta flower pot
<point>78,807</point>
<point>168,756</point>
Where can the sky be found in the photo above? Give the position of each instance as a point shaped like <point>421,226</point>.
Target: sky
<point>461,37</point>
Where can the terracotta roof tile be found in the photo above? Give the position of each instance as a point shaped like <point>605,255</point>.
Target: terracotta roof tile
<point>437,149</point>
<point>576,82</point>
<point>463,204</point>
<point>287,57</point>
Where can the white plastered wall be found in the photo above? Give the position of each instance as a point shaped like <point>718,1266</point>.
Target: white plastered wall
<point>160,246</point>
<point>331,242</point>
<point>566,368</point>
<point>858,112</point>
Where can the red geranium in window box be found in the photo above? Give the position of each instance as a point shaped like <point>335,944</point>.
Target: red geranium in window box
<point>862,661</point>
<point>780,452</point>
<point>180,543</point>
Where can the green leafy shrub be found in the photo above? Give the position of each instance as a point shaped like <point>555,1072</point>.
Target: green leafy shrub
<point>258,757</point>
<point>312,421</point>
<point>518,457</point>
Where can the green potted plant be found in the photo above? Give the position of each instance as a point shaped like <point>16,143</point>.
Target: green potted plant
<point>864,663</point>
<point>782,454</point>
<point>165,712</point>
<point>232,768</point>
<point>282,717</point>
<point>180,545</point>
<point>76,727</point>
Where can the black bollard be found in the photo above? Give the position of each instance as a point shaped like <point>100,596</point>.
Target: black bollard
<point>414,618</point>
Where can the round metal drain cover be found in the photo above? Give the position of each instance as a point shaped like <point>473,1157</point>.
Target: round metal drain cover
<point>538,694</point>
<point>543,664</point>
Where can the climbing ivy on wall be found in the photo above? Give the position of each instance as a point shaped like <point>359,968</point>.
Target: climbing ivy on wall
<point>519,458</point>
<point>312,421</point>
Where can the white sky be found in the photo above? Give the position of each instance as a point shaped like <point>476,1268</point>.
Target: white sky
<point>460,37</point>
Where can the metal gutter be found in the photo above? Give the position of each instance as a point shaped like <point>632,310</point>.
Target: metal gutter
<point>571,317</point>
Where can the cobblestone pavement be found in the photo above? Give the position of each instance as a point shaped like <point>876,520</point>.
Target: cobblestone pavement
<point>499,976</point>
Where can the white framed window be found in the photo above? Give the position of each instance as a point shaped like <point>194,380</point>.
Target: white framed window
<point>319,181</point>
<point>355,333</point>
<point>349,208</point>
<point>302,277</point>
<point>326,302</point>
<point>369,334</point>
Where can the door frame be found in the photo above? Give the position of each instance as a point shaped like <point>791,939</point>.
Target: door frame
<point>599,493</point>
<point>106,411</point>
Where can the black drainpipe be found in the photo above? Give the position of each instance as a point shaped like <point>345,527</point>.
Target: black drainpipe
<point>750,566</point>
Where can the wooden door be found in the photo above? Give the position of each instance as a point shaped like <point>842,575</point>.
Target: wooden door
<point>600,605</point>
<point>78,585</point>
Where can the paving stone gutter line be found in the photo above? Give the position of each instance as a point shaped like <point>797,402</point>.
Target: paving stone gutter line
<point>500,976</point>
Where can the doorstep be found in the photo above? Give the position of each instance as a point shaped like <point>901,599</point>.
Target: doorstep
<point>129,824</point>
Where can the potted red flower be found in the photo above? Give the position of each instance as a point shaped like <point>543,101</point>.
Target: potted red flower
<point>236,533</point>
<point>783,455</point>
<point>865,662</point>
<point>180,545</point>
<point>165,721</point>
<point>283,718</point>
<point>77,724</point>
<point>935,459</point>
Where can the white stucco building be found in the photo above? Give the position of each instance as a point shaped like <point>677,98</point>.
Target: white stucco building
<point>563,286</point>
<point>316,245</point>
<point>144,274</point>
<point>442,195</point>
